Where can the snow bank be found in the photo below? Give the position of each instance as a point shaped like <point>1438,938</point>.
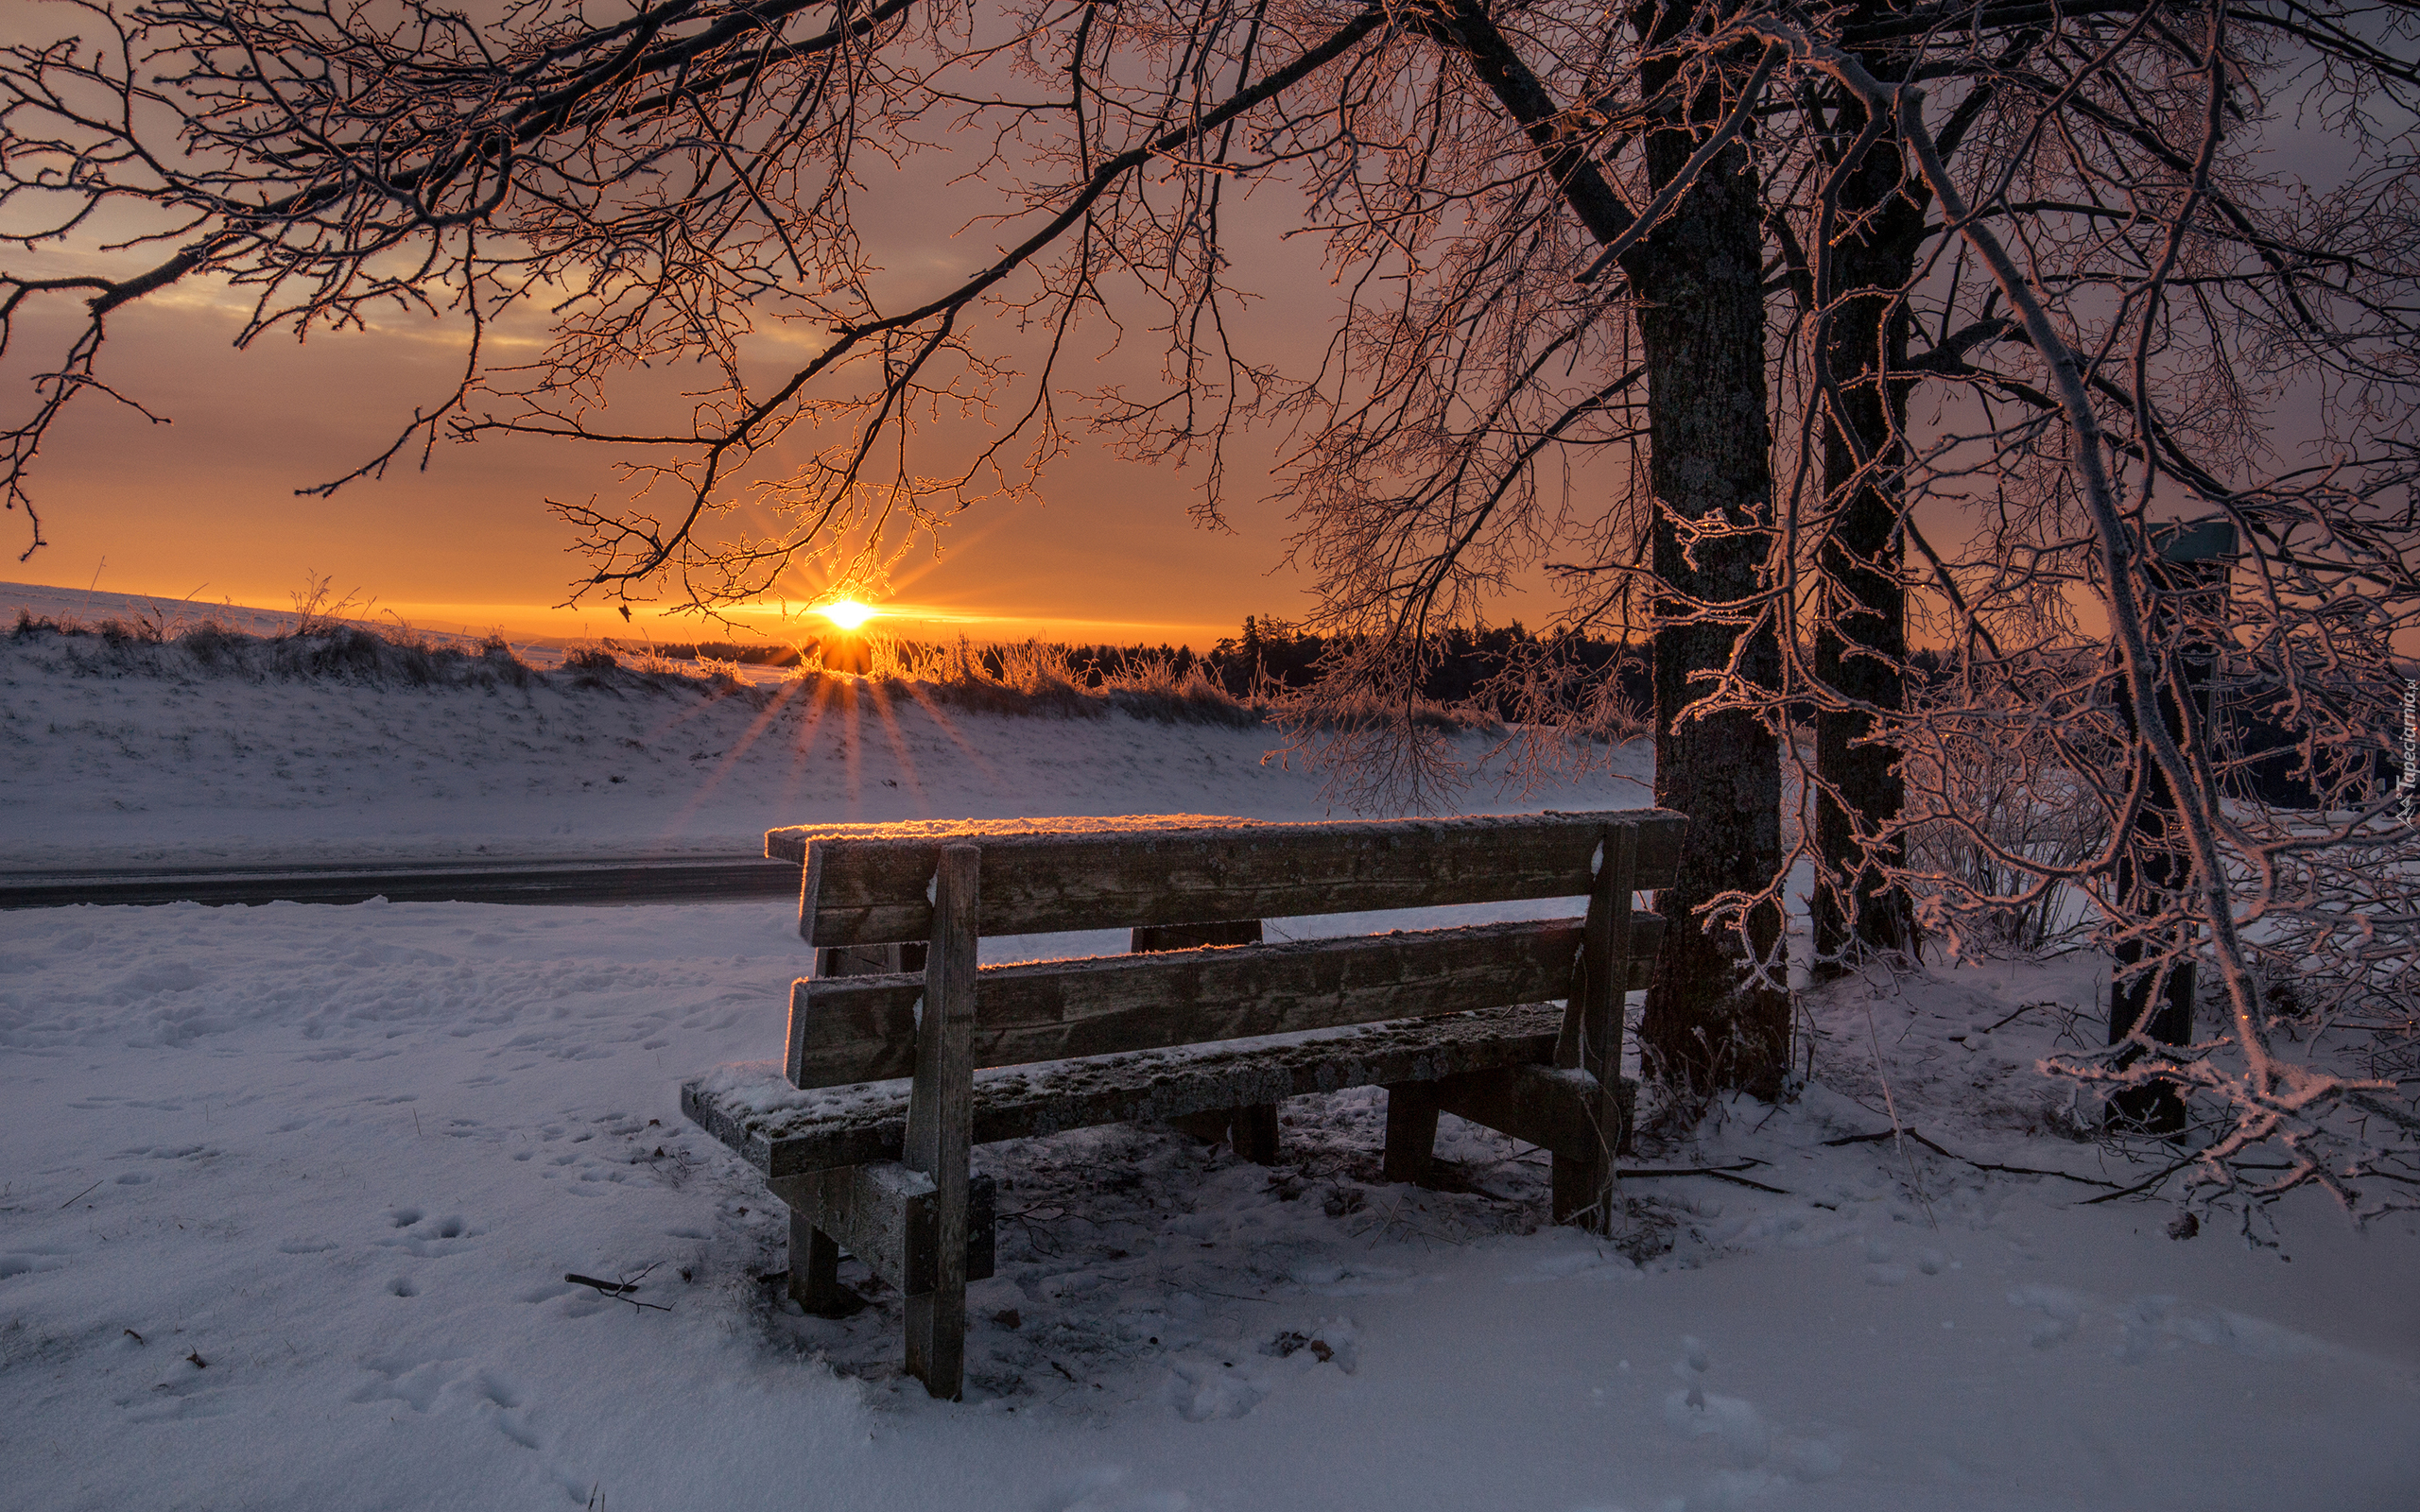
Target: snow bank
<point>344,1157</point>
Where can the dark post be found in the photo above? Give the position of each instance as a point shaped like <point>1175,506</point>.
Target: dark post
<point>1251,1131</point>
<point>2189,573</point>
<point>815,1256</point>
<point>940,1123</point>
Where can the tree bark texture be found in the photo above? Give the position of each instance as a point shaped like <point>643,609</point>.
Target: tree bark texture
<point>1862,639</point>
<point>1697,280</point>
<point>1701,322</point>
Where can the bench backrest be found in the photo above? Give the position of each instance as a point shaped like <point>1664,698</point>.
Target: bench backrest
<point>871,885</point>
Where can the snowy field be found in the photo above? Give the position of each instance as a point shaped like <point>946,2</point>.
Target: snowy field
<point>290,1192</point>
<point>103,769</point>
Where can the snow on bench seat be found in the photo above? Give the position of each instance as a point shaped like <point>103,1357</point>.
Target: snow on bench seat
<point>783,1131</point>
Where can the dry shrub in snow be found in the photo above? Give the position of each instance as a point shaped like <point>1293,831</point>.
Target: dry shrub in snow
<point>156,645</point>
<point>1039,677</point>
<point>2298,909</point>
<point>1025,678</point>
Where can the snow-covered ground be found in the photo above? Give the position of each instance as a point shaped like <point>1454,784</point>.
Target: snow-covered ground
<point>289,1193</point>
<point>103,767</point>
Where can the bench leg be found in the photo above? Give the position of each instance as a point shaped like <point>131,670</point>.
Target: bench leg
<point>1584,1183</point>
<point>1254,1133</point>
<point>940,1123</point>
<point>1209,1127</point>
<point>815,1271</point>
<point>1411,1132</point>
<point>1568,1113</point>
<point>1583,1178</point>
<point>1251,1131</point>
<point>936,1340</point>
<point>1579,1194</point>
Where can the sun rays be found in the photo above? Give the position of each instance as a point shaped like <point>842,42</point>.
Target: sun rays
<point>880,690</point>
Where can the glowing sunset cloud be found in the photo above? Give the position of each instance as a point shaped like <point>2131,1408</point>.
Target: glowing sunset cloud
<point>848,613</point>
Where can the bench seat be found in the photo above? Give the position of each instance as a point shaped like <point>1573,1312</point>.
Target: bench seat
<point>783,1131</point>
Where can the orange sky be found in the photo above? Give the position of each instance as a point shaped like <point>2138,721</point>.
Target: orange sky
<point>205,508</point>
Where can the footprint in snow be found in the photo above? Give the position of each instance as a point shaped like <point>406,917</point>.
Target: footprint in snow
<point>188,1390</point>
<point>2061,1310</point>
<point>1107,1489</point>
<point>444,1385</point>
<point>425,1238</point>
<point>25,1263</point>
<point>1206,1388</point>
<point>1881,1268</point>
<point>1750,1442</point>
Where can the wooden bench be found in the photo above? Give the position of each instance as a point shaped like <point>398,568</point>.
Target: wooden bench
<point>865,1128</point>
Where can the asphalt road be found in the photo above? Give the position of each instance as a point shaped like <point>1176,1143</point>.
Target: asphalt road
<point>678,880</point>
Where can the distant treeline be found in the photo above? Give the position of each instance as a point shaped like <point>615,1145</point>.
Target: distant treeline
<point>1465,662</point>
<point>1269,651</point>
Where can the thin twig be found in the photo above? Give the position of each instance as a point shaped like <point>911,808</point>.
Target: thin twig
<point>2140,1186</point>
<point>1721,1173</point>
<point>1873,1039</point>
<point>1879,1135</point>
<point>2046,1002</point>
<point>615,1290</point>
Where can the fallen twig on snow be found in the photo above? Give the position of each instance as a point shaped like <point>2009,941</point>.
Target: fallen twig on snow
<point>2141,1186</point>
<point>2046,1002</point>
<point>616,1290</point>
<point>1880,1135</point>
<point>1721,1173</point>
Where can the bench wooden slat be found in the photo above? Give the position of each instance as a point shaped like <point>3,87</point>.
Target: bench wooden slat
<point>1544,1105</point>
<point>869,887</point>
<point>784,1132</point>
<point>788,843</point>
<point>863,1029</point>
<point>878,1212</point>
<point>887,1216</point>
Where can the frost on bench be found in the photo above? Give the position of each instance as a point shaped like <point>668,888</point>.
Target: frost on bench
<point>781,1130</point>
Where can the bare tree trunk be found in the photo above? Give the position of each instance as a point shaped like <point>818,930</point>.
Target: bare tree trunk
<point>1862,639</point>
<point>1701,322</point>
<point>1698,279</point>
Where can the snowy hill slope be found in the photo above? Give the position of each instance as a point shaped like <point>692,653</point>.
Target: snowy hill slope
<point>287,1195</point>
<point>100,766</point>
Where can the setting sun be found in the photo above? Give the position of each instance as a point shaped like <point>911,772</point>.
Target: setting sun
<point>848,613</point>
